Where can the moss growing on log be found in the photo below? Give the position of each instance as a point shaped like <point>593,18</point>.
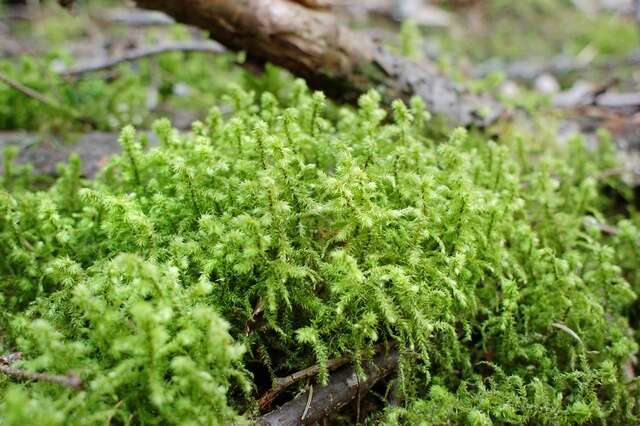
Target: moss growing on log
<point>183,279</point>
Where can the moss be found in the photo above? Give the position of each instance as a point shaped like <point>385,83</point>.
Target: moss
<point>278,237</point>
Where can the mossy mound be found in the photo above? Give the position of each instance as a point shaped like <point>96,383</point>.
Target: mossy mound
<point>277,237</point>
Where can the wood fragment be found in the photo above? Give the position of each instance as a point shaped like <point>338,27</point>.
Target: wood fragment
<point>283,383</point>
<point>342,388</point>
<point>10,358</point>
<point>70,380</point>
<point>133,17</point>
<point>591,222</point>
<point>306,408</point>
<point>31,93</point>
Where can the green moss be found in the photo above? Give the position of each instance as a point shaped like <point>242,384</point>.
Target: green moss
<point>277,238</point>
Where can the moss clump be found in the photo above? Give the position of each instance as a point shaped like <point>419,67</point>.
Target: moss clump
<point>264,242</point>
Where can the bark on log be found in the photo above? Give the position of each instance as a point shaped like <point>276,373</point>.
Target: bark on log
<point>314,45</point>
<point>343,387</point>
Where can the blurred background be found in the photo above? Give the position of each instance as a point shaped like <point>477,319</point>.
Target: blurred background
<point>80,74</point>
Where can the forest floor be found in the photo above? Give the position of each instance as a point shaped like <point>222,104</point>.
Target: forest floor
<point>71,80</point>
<point>573,61</point>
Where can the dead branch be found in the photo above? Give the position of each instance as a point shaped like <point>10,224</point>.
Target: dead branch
<point>70,380</point>
<point>591,222</point>
<point>315,46</point>
<point>10,358</point>
<point>133,17</point>
<point>208,46</point>
<point>619,100</point>
<point>343,387</point>
<point>282,383</point>
<point>31,93</point>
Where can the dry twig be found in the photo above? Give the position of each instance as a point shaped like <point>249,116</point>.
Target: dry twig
<point>31,93</point>
<point>70,380</point>
<point>208,46</point>
<point>281,383</point>
<point>10,359</point>
<point>343,387</point>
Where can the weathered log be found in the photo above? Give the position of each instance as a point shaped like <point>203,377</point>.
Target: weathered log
<point>343,387</point>
<point>314,45</point>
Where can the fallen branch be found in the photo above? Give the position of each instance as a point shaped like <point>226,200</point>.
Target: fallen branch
<point>314,45</point>
<point>31,93</point>
<point>132,17</point>
<point>208,46</point>
<point>10,359</point>
<point>343,387</point>
<point>591,222</point>
<point>70,380</point>
<point>281,383</point>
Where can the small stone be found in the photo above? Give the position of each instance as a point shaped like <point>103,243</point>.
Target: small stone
<point>509,89</point>
<point>547,84</point>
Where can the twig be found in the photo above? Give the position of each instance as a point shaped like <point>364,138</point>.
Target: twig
<point>27,91</point>
<point>251,322</point>
<point>309,399</point>
<point>70,380</point>
<point>618,100</point>
<point>358,400</point>
<point>113,412</point>
<point>134,17</point>
<point>144,52</point>
<point>606,229</point>
<point>284,382</point>
<point>341,389</point>
<point>10,359</point>
<point>281,383</point>
<point>31,93</point>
